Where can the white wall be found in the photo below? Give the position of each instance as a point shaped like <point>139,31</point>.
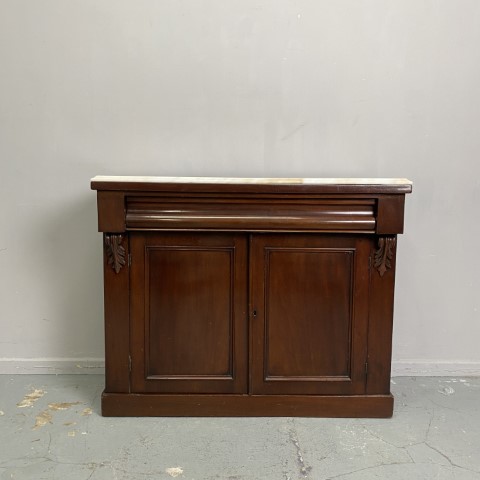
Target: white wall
<point>235,87</point>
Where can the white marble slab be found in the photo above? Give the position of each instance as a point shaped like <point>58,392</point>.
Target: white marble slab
<point>259,181</point>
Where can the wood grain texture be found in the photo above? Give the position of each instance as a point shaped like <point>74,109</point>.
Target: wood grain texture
<point>310,293</point>
<point>190,322</point>
<point>380,329</point>
<point>257,214</point>
<point>111,211</point>
<point>117,326</point>
<point>154,405</point>
<point>390,212</point>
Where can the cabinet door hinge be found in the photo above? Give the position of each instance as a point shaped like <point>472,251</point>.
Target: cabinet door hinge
<point>366,368</point>
<point>129,363</point>
<point>370,262</point>
<point>129,259</point>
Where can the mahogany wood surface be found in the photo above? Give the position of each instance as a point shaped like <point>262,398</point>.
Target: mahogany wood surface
<point>259,214</point>
<point>310,295</point>
<point>111,211</point>
<point>249,299</point>
<point>190,328</point>
<point>381,327</point>
<point>154,405</point>
<point>117,322</point>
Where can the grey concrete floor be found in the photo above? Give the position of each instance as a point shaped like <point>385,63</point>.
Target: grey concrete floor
<point>58,433</point>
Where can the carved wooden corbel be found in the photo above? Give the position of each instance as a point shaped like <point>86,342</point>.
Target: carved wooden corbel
<point>384,254</point>
<point>115,251</point>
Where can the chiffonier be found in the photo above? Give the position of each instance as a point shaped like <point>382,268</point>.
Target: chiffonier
<point>249,296</point>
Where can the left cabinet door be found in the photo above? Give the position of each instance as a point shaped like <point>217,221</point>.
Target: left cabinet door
<point>188,313</point>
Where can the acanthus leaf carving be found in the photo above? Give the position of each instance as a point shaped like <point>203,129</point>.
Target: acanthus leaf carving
<point>115,251</point>
<point>384,254</point>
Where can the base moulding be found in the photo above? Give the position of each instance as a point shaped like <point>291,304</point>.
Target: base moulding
<point>166,405</point>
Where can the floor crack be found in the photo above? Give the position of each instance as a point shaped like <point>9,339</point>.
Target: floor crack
<point>367,468</point>
<point>293,436</point>
<point>447,458</point>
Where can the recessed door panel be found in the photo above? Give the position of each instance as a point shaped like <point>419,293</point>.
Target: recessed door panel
<point>189,318</point>
<point>318,286</point>
<point>309,295</point>
<point>189,313</point>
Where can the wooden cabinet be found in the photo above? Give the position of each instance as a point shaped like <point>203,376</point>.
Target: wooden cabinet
<point>249,296</point>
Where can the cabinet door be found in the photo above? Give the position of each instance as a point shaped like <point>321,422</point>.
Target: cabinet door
<point>188,313</point>
<point>309,313</point>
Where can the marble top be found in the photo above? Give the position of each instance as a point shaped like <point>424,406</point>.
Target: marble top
<point>255,181</point>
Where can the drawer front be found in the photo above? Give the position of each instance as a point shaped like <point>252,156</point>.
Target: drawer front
<point>252,214</point>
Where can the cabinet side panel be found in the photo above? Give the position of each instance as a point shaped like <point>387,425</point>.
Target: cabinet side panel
<point>382,285</point>
<point>116,308</point>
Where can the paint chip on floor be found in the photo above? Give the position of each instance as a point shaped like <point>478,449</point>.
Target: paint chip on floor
<point>71,433</point>
<point>31,398</point>
<point>61,406</point>
<point>46,417</point>
<point>87,411</point>
<point>42,419</point>
<point>174,471</point>
<point>2,413</point>
<point>446,391</point>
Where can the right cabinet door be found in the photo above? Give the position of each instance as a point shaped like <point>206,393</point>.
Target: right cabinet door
<point>309,313</point>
